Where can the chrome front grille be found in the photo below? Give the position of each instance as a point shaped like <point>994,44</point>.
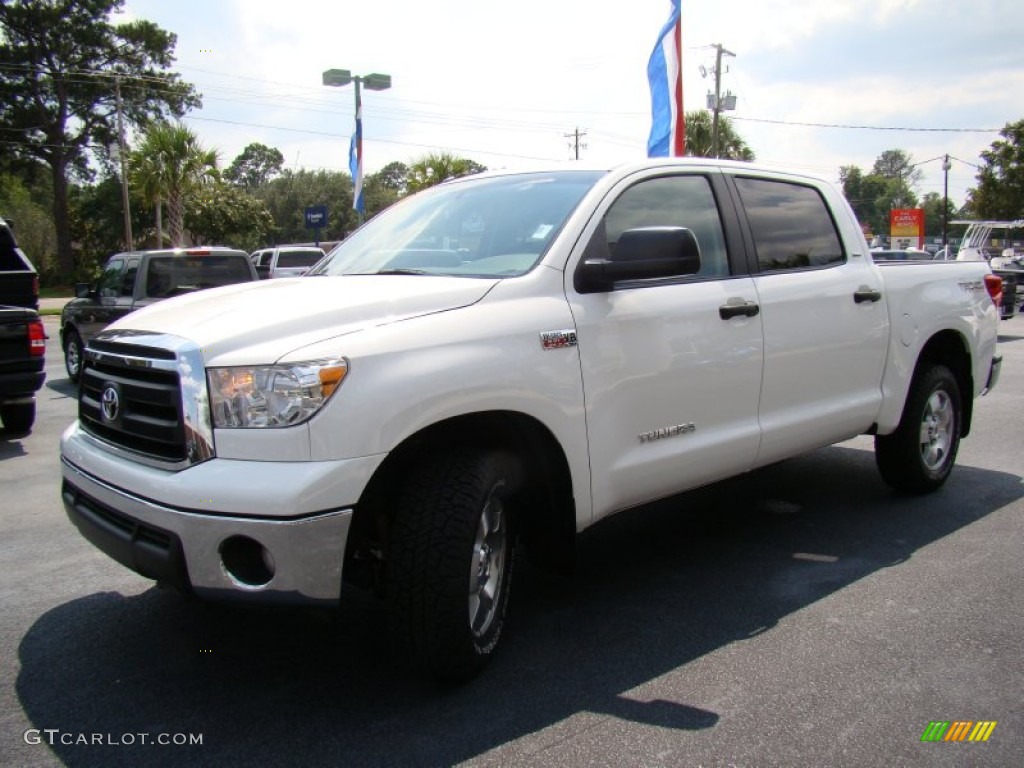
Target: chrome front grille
<point>148,418</point>
<point>146,394</point>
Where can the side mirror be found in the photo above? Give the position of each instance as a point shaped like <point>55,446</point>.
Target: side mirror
<point>81,290</point>
<point>641,254</point>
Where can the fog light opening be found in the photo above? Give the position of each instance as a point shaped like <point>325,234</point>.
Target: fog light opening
<point>247,561</point>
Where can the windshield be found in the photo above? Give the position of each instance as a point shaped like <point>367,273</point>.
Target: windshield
<point>492,227</point>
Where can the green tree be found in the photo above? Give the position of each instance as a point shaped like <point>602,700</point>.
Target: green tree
<point>219,214</point>
<point>867,197</point>
<point>434,168</point>
<point>875,195</point>
<point>60,63</point>
<point>385,188</point>
<point>288,196</point>
<point>897,164</point>
<point>933,206</point>
<point>1000,191</point>
<point>255,166</point>
<point>171,164</point>
<point>33,225</point>
<point>97,223</point>
<point>393,176</point>
<point>700,137</point>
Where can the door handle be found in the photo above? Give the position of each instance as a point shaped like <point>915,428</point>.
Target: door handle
<point>866,293</point>
<point>739,308</point>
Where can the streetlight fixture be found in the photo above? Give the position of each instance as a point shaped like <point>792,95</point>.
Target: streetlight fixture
<point>338,78</point>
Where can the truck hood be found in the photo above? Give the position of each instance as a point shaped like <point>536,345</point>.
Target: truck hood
<point>265,320</point>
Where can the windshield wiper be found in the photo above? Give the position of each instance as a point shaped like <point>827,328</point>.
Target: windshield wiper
<point>402,271</point>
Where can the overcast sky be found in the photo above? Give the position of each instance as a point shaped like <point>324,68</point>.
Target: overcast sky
<point>503,83</point>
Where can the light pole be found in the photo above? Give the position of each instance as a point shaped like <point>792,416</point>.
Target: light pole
<point>946,165</point>
<point>374,82</point>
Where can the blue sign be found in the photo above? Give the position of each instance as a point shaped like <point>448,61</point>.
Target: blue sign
<point>316,216</point>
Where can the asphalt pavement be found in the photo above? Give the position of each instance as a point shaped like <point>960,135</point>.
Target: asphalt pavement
<point>802,615</point>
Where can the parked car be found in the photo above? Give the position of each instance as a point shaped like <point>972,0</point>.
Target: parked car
<point>976,246</point>
<point>140,278</point>
<point>19,281</point>
<point>286,260</point>
<point>22,366</point>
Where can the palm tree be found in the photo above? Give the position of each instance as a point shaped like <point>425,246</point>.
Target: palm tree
<point>700,139</point>
<point>170,164</point>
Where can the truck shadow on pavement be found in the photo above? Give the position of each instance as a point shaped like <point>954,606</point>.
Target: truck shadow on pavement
<point>11,443</point>
<point>654,590</point>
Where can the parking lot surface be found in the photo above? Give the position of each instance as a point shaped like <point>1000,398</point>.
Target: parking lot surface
<point>802,615</point>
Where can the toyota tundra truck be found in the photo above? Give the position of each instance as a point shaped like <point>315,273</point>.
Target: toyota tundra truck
<point>504,360</point>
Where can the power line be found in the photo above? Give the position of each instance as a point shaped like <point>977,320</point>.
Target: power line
<point>440,118</point>
<point>867,127</point>
<point>381,141</point>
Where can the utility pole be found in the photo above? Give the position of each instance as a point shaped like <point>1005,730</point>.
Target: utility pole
<point>719,52</point>
<point>576,135</point>
<point>129,240</point>
<point>159,208</point>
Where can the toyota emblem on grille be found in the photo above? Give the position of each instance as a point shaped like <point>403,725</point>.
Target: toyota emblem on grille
<point>110,403</point>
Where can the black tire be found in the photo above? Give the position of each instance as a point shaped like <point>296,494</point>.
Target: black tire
<point>919,455</point>
<point>450,562</point>
<point>73,355</point>
<point>18,418</point>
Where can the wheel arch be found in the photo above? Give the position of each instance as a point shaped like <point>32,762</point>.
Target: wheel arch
<point>950,348</point>
<point>548,519</point>
<point>65,329</point>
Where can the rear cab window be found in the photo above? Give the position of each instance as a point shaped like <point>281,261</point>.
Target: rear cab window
<point>173,275</point>
<point>298,258</point>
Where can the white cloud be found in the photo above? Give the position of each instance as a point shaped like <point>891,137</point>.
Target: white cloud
<point>503,83</point>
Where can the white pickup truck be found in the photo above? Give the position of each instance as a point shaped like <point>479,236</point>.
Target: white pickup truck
<point>507,359</point>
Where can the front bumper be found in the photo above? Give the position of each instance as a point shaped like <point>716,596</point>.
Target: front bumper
<point>21,386</point>
<point>220,557</point>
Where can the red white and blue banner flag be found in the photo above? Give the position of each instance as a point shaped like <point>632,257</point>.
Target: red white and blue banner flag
<point>664,71</point>
<point>355,158</point>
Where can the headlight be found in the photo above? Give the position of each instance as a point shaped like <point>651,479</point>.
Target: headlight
<point>272,395</point>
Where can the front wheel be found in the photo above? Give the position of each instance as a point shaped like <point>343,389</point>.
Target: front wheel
<point>450,561</point>
<point>919,455</point>
<point>73,356</point>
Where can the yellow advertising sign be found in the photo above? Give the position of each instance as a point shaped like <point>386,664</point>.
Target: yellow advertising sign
<point>906,227</point>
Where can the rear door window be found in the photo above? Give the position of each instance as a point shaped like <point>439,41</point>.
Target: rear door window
<point>791,225</point>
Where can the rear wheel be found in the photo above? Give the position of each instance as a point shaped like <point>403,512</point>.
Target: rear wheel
<point>18,417</point>
<point>919,455</point>
<point>450,562</point>
<point>73,355</point>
